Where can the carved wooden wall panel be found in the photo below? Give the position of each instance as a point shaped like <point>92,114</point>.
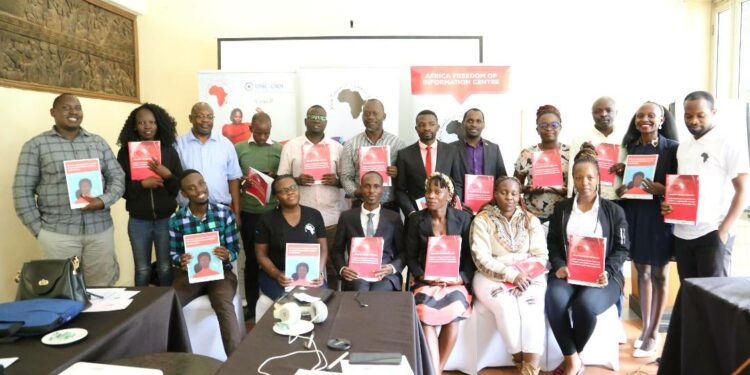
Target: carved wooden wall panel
<point>85,47</point>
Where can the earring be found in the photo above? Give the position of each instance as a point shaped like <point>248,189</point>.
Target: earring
<point>660,127</point>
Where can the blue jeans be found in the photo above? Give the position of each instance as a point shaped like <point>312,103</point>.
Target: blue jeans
<point>143,235</point>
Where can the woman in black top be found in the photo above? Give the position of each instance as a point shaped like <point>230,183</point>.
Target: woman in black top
<point>153,200</point>
<point>289,223</point>
<point>443,302</point>
<point>586,215</point>
<point>651,132</point>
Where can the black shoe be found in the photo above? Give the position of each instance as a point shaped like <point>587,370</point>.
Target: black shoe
<point>248,313</point>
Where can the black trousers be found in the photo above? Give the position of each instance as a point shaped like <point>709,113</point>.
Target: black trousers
<point>705,256</point>
<point>584,302</point>
<point>247,231</point>
<point>359,285</point>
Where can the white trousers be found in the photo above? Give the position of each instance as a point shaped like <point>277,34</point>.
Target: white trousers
<point>520,320</point>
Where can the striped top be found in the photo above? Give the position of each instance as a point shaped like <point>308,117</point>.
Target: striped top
<point>350,161</point>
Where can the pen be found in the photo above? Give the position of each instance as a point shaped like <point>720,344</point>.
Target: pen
<point>95,295</point>
<point>336,362</point>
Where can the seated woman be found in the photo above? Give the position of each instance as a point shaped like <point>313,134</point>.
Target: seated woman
<point>442,302</point>
<point>504,234</point>
<point>585,214</point>
<point>288,223</point>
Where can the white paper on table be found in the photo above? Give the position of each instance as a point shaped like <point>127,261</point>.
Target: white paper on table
<point>105,293</point>
<point>88,368</point>
<point>400,369</point>
<point>315,372</point>
<point>6,362</point>
<point>100,305</point>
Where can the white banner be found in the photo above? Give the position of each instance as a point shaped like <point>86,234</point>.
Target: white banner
<point>451,91</point>
<point>343,91</point>
<point>273,93</point>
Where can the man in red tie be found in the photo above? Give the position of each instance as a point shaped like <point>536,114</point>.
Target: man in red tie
<point>422,159</point>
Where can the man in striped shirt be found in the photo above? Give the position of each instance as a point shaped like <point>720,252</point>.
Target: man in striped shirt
<point>373,115</point>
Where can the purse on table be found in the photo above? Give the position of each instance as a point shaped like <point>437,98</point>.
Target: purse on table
<point>52,278</point>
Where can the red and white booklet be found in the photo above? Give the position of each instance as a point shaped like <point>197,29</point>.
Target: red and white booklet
<point>585,260</point>
<point>546,168</point>
<point>532,268</point>
<point>375,158</point>
<point>443,258</point>
<point>366,256</point>
<point>316,161</point>
<point>682,194</point>
<point>607,155</point>
<point>141,153</point>
<point>258,185</point>
<point>478,190</point>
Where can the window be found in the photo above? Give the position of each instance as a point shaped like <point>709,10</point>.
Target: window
<point>744,63</point>
<point>723,34</point>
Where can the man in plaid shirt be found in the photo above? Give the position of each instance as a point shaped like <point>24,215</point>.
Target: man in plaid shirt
<point>40,194</point>
<point>199,216</point>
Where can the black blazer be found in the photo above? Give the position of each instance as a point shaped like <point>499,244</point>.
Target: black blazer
<point>389,227</point>
<point>419,229</point>
<point>411,174</point>
<point>614,229</point>
<point>493,159</point>
<point>157,203</point>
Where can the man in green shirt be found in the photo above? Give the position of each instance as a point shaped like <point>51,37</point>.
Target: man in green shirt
<point>262,154</point>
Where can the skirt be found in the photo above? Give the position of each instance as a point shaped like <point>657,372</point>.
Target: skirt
<point>437,305</point>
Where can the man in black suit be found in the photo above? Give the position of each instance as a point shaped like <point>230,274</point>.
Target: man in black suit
<point>370,220</point>
<point>478,156</point>
<point>428,153</point>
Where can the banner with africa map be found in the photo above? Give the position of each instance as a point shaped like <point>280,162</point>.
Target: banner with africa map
<point>273,93</point>
<point>451,90</point>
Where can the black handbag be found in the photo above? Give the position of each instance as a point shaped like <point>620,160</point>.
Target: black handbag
<point>52,278</point>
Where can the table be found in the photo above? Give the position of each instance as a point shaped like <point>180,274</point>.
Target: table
<point>388,324</point>
<point>715,326</point>
<point>152,323</point>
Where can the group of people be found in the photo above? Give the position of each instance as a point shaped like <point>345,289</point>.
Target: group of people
<point>197,186</point>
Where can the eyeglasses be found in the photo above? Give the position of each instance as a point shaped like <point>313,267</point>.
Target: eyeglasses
<point>317,117</point>
<point>203,117</point>
<point>549,125</point>
<point>288,189</point>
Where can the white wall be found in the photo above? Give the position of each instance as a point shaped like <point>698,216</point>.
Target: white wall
<point>562,52</point>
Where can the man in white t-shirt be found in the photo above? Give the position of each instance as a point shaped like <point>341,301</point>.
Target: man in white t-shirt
<point>705,249</point>
<point>603,112</point>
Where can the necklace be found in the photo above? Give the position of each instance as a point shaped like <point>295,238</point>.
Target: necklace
<point>654,143</point>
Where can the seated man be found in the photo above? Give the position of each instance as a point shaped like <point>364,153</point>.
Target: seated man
<point>200,216</point>
<point>370,220</point>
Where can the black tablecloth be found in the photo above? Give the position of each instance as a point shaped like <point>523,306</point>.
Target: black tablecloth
<point>388,324</point>
<point>152,323</point>
<point>715,327</point>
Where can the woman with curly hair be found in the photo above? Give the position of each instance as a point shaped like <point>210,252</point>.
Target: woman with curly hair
<point>541,200</point>
<point>439,303</point>
<point>504,236</point>
<point>153,200</point>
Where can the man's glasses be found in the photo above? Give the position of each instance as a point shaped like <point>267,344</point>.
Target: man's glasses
<point>317,117</point>
<point>203,117</point>
<point>288,189</point>
<point>548,125</point>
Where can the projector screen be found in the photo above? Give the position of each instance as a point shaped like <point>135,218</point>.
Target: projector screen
<point>288,54</point>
